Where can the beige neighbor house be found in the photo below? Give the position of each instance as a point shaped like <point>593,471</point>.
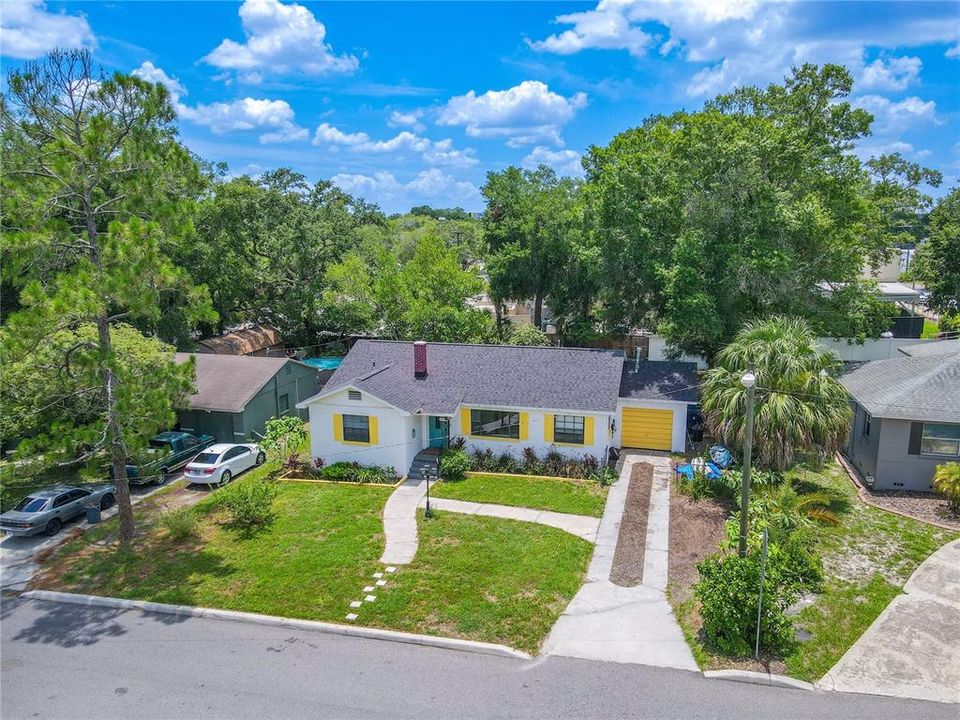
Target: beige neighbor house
<point>389,400</point>
<point>258,340</point>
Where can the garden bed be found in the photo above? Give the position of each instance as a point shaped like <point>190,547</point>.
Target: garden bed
<point>628,558</point>
<point>565,495</point>
<point>293,476</point>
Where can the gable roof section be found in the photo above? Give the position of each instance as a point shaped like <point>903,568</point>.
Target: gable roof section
<point>493,375</point>
<point>226,383</point>
<point>655,380</point>
<point>926,387</point>
<point>936,347</point>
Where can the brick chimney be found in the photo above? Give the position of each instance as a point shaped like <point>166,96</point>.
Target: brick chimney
<point>419,359</point>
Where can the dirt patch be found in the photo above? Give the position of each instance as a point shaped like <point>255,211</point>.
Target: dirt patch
<point>628,558</point>
<point>696,529</point>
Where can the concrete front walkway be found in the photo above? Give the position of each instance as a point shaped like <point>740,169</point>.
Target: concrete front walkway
<point>626,624</point>
<point>400,522</point>
<point>912,650</point>
<point>579,525</point>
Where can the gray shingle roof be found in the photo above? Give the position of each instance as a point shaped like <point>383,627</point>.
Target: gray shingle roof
<point>659,381</point>
<point>226,383</point>
<point>937,347</point>
<point>504,375</point>
<point>909,388</point>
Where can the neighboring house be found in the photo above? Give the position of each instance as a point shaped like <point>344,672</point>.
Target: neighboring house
<point>936,347</point>
<point>259,340</point>
<point>390,400</point>
<point>236,395</point>
<point>906,418</point>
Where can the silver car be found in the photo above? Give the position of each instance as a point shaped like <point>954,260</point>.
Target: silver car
<point>220,463</point>
<point>47,510</point>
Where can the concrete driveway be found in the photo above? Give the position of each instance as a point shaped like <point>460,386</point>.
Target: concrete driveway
<point>913,649</point>
<point>18,553</point>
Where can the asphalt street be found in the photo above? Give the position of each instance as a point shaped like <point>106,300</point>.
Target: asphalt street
<point>71,661</point>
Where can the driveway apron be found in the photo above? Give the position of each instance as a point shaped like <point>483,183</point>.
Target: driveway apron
<point>626,624</point>
<point>912,649</point>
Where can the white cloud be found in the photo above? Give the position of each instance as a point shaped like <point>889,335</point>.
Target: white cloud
<point>739,43</point>
<point>151,73</point>
<point>274,117</point>
<point>893,117</point>
<point>614,24</point>
<point>435,152</point>
<point>894,74</point>
<point>280,39</point>
<point>525,114</point>
<point>565,162</point>
<point>409,119</point>
<point>432,186</point>
<point>28,30</point>
<point>953,52</point>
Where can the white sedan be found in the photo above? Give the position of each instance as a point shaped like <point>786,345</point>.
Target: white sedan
<point>220,463</point>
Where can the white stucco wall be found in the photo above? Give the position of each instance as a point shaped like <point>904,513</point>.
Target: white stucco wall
<point>396,445</point>
<point>679,409</point>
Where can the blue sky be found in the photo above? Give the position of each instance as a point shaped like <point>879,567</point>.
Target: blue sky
<point>411,103</point>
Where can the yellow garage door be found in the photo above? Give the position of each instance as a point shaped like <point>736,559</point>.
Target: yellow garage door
<point>646,428</point>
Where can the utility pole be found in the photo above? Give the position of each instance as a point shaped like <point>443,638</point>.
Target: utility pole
<point>749,381</point>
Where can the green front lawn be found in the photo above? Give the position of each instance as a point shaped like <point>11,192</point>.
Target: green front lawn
<point>578,497</point>
<point>484,578</point>
<point>479,578</point>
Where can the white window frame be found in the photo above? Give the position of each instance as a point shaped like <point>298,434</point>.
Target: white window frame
<point>924,436</point>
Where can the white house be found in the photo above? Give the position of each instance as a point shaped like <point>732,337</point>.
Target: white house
<point>389,400</point>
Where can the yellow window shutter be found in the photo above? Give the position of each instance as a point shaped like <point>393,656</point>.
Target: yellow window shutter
<point>374,431</point>
<point>588,430</point>
<point>465,421</point>
<point>524,425</point>
<point>547,427</point>
<point>338,427</point>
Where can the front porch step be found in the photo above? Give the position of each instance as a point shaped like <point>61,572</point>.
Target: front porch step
<point>423,461</point>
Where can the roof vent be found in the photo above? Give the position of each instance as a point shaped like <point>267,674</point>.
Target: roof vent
<point>419,359</point>
<point>354,395</point>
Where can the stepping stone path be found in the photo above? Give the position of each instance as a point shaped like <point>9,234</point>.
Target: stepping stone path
<point>379,582</point>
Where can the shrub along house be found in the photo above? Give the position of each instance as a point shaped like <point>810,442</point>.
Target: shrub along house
<point>389,400</point>
<point>236,394</point>
<point>906,418</point>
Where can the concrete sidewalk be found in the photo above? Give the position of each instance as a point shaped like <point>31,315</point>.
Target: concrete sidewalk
<point>912,650</point>
<point>580,525</point>
<point>626,624</point>
<point>400,522</point>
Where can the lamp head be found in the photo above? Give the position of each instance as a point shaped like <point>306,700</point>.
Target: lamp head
<point>749,379</point>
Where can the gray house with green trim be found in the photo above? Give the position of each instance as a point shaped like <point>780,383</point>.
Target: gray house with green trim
<point>237,394</point>
<point>906,418</point>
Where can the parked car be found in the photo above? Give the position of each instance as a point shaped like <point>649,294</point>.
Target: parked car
<point>165,453</point>
<point>220,463</point>
<point>47,510</point>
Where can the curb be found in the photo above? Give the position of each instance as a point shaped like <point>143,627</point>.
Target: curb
<point>758,678</point>
<point>273,621</point>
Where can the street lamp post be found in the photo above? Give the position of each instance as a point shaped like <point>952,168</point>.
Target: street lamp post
<point>426,474</point>
<point>749,381</point>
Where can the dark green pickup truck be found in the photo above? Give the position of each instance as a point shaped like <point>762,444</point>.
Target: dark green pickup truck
<point>165,453</point>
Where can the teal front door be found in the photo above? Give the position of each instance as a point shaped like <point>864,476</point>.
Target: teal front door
<point>439,431</point>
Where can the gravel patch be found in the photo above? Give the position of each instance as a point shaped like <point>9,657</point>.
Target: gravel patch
<point>924,507</point>
<point>628,558</point>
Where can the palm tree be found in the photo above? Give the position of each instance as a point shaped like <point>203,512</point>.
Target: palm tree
<point>800,405</point>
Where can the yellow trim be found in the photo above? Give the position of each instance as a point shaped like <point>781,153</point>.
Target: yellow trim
<point>588,430</point>
<point>338,427</point>
<point>465,421</point>
<point>374,430</point>
<point>548,427</point>
<point>524,426</point>
<point>338,431</point>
